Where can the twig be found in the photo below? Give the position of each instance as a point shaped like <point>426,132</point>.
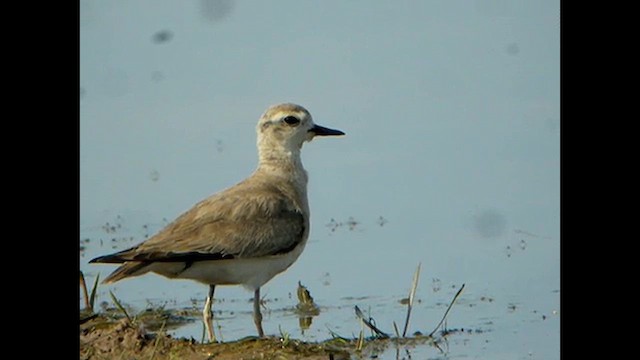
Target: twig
<point>412,294</point>
<point>369,324</point>
<point>335,335</point>
<point>435,344</point>
<point>91,317</point>
<point>395,328</point>
<point>449,308</point>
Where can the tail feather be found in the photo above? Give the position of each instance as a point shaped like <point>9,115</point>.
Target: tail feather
<point>128,269</point>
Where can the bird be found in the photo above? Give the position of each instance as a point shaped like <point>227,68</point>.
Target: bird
<point>245,234</point>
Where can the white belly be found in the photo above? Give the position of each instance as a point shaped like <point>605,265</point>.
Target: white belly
<point>251,273</point>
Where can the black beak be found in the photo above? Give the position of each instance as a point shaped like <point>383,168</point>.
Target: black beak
<point>323,131</point>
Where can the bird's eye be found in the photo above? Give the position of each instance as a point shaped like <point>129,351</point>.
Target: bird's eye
<point>291,120</point>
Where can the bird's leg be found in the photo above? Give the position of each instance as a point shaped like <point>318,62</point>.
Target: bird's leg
<point>257,316</point>
<point>207,315</point>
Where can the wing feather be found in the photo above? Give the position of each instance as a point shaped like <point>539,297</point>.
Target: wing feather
<point>248,220</point>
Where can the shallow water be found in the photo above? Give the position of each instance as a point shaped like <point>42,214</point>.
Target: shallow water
<point>490,319</point>
<point>451,158</point>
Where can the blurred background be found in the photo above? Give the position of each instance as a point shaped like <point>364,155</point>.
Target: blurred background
<point>451,158</point>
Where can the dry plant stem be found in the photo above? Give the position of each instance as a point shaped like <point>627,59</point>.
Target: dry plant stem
<point>369,324</point>
<point>360,341</point>
<point>119,306</point>
<point>412,294</point>
<point>155,345</point>
<point>94,291</point>
<point>448,308</point>
<point>86,293</point>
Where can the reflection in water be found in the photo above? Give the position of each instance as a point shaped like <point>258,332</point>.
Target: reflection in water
<point>305,308</point>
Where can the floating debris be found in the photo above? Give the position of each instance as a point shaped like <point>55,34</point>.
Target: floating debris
<point>326,281</point>
<point>523,244</point>
<point>508,251</point>
<point>352,223</point>
<point>436,284</point>
<point>333,225</point>
<point>108,228</point>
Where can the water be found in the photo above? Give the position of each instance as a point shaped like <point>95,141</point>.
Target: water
<point>451,158</point>
<point>515,316</point>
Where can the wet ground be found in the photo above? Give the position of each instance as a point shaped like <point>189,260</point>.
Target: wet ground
<point>115,333</point>
<point>102,338</point>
